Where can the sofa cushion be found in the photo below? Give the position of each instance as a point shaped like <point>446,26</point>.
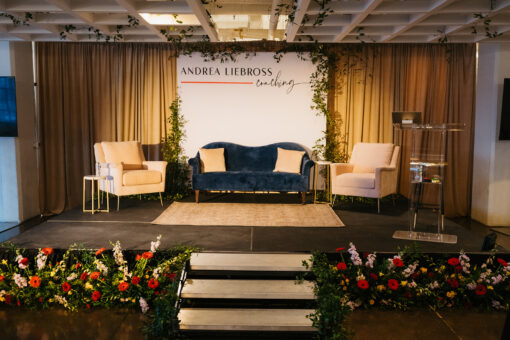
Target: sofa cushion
<point>141,177</point>
<point>360,180</point>
<point>250,181</point>
<point>289,161</point>
<point>128,153</point>
<point>212,160</point>
<point>368,156</point>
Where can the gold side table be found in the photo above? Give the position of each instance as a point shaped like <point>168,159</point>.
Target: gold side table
<point>327,184</point>
<point>93,179</point>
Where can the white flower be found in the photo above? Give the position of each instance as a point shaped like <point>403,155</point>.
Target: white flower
<point>360,277</point>
<point>370,260</point>
<point>434,285</point>
<point>62,300</point>
<point>356,260</point>
<point>71,277</point>
<point>19,258</point>
<point>464,262</point>
<point>496,304</point>
<point>117,254</point>
<point>471,286</point>
<point>101,267</point>
<point>352,305</point>
<point>2,293</point>
<point>410,269</point>
<point>143,305</point>
<point>155,245</point>
<point>41,260</point>
<point>412,284</point>
<point>497,279</point>
<point>20,280</point>
<point>156,272</point>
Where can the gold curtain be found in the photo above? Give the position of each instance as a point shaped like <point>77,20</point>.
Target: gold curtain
<point>97,92</point>
<point>371,81</point>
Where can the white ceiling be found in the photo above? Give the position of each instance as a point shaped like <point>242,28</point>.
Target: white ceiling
<point>350,20</point>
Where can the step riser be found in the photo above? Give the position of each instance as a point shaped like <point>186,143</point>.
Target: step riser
<point>245,274</point>
<point>243,303</point>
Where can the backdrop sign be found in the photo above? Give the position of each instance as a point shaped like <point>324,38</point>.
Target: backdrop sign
<point>252,101</point>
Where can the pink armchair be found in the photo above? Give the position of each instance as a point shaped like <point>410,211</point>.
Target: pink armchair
<point>371,172</point>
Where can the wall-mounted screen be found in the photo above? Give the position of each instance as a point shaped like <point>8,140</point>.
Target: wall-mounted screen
<point>504,130</point>
<point>8,118</point>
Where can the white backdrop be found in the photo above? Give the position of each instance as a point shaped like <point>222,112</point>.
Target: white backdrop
<point>253,101</point>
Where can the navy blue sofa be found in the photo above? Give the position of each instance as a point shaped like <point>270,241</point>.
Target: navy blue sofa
<point>251,169</point>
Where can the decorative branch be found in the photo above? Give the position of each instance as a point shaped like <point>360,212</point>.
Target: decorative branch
<point>489,33</point>
<point>19,20</point>
<point>68,29</point>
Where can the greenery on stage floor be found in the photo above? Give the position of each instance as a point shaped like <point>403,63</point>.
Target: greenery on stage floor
<point>407,279</point>
<point>79,279</point>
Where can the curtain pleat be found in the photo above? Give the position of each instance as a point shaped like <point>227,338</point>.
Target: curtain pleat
<point>97,92</point>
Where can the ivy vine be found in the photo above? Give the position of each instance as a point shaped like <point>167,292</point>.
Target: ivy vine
<point>24,20</point>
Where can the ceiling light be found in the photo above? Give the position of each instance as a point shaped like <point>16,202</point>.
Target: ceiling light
<point>170,19</point>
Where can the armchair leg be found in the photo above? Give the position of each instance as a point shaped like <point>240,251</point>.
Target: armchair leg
<point>118,202</point>
<point>303,197</point>
<point>197,195</point>
<point>161,199</point>
<point>378,205</point>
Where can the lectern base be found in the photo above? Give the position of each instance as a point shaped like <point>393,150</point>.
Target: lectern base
<point>427,237</point>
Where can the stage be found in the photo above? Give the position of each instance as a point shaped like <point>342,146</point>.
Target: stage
<point>132,226</point>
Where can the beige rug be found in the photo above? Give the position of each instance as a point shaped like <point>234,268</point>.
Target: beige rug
<point>251,215</point>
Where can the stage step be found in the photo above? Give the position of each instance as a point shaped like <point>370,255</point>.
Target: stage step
<point>248,262</point>
<point>248,289</point>
<point>237,319</point>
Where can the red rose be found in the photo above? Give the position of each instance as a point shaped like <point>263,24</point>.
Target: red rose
<point>171,277</point>
<point>454,283</point>
<point>147,255</point>
<point>373,276</point>
<point>8,299</point>
<point>35,281</point>
<point>66,287</point>
<point>363,284</point>
<point>398,262</point>
<point>453,261</point>
<point>100,251</point>
<point>341,266</point>
<point>431,275</point>
<point>18,303</point>
<point>408,295</point>
<point>164,292</point>
<point>480,290</point>
<point>94,275</point>
<point>24,261</point>
<point>392,284</point>
<point>415,275</point>
<point>84,276</point>
<point>96,295</point>
<point>123,286</point>
<point>340,249</point>
<point>135,280</point>
<point>41,299</point>
<point>138,257</point>
<point>156,293</point>
<point>88,306</point>
<point>153,283</point>
<point>458,269</point>
<point>47,251</point>
<point>502,262</point>
<point>2,278</point>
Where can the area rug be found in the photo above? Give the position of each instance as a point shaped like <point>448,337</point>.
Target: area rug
<point>251,215</point>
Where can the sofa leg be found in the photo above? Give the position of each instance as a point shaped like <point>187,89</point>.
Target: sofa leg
<point>161,199</point>
<point>118,202</point>
<point>378,205</point>
<point>303,197</point>
<point>197,195</point>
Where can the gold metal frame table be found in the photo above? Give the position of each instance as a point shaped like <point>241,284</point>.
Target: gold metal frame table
<point>93,179</point>
<point>327,183</point>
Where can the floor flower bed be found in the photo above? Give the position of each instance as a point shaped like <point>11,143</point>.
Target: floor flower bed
<point>406,279</point>
<point>91,278</point>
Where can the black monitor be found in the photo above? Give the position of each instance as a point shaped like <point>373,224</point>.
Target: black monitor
<point>504,129</point>
<point>406,117</point>
<point>8,116</point>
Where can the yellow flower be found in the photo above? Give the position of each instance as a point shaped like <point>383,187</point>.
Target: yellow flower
<point>403,283</point>
<point>442,268</point>
<point>146,276</point>
<point>418,293</point>
<point>4,262</point>
<point>460,276</point>
<point>381,288</point>
<point>345,288</point>
<point>88,286</point>
<point>2,299</point>
<point>381,274</point>
<point>371,302</point>
<point>453,275</point>
<point>507,273</point>
<point>347,281</point>
<point>69,293</point>
<point>133,300</point>
<point>490,287</point>
<point>342,282</point>
<point>423,270</point>
<point>451,294</point>
<point>50,300</point>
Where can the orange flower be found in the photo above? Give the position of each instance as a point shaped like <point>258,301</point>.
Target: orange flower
<point>147,255</point>
<point>94,275</point>
<point>123,286</point>
<point>35,281</point>
<point>138,257</point>
<point>2,278</point>
<point>100,251</point>
<point>153,283</point>
<point>47,251</point>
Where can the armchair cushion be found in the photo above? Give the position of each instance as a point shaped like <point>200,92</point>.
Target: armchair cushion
<point>141,177</point>
<point>289,161</point>
<point>368,156</point>
<point>128,153</point>
<point>363,180</point>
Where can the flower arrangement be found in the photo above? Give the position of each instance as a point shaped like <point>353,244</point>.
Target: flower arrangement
<point>89,279</point>
<point>404,280</point>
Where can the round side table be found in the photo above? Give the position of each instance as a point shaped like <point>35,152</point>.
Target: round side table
<point>327,184</point>
<point>93,179</point>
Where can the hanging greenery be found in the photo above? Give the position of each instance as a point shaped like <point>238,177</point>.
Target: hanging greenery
<point>24,20</point>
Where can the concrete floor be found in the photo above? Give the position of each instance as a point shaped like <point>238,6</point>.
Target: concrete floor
<point>131,225</point>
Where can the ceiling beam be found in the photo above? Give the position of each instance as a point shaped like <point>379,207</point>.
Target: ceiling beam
<point>416,19</point>
<point>273,19</point>
<point>87,18</point>
<point>498,8</point>
<point>203,18</point>
<point>293,27</point>
<point>358,19</point>
<point>130,7</point>
<point>26,37</point>
<point>484,38</point>
<point>48,27</point>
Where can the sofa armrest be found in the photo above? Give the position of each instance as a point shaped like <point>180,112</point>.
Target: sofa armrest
<point>386,180</point>
<point>195,164</point>
<point>306,166</point>
<point>341,168</point>
<point>155,165</point>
